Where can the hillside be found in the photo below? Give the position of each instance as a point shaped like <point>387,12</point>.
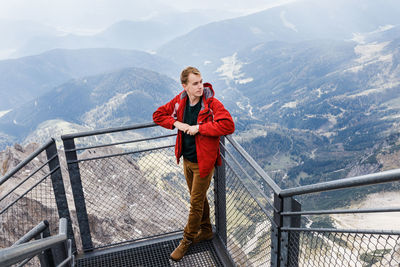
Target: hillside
<point>320,110</point>
<point>26,78</point>
<point>130,196</point>
<point>293,22</point>
<point>108,100</point>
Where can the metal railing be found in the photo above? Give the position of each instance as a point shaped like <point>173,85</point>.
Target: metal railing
<point>144,194</point>
<point>310,246</point>
<point>52,250</point>
<point>127,187</point>
<point>33,191</point>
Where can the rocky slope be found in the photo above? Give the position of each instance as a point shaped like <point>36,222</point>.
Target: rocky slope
<point>123,203</point>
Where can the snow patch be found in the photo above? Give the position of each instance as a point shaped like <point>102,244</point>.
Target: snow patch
<point>360,37</point>
<point>246,107</point>
<point>368,52</point>
<point>319,91</point>
<point>286,23</point>
<point>247,80</point>
<point>231,70</point>
<point>4,112</point>
<point>292,104</point>
<point>382,87</point>
<point>268,105</point>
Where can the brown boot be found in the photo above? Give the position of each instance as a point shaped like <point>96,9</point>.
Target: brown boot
<point>203,235</point>
<point>181,250</point>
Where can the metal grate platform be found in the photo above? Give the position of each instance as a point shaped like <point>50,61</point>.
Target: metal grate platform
<point>201,254</point>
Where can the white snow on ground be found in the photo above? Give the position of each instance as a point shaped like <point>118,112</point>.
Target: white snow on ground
<point>382,87</point>
<point>377,221</point>
<point>265,107</point>
<point>360,38</point>
<point>231,70</point>
<point>286,23</point>
<point>4,112</point>
<point>369,52</point>
<point>245,105</point>
<point>292,104</point>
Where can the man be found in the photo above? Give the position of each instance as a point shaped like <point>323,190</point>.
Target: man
<point>201,119</point>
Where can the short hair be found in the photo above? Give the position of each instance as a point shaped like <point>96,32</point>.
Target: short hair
<point>185,74</point>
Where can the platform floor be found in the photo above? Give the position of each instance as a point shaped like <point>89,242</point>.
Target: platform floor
<point>153,255</point>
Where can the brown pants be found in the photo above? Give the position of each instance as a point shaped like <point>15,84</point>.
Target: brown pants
<point>199,215</point>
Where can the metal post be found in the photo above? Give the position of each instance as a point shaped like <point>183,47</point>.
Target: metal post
<point>220,198</point>
<point>289,255</point>
<point>59,189</point>
<point>276,231</point>
<point>45,257</point>
<point>77,190</point>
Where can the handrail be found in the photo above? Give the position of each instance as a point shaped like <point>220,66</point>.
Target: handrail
<point>15,254</point>
<point>340,211</point>
<point>30,175</point>
<point>108,130</point>
<point>369,179</point>
<point>254,165</point>
<point>121,143</point>
<point>26,161</point>
<point>32,233</point>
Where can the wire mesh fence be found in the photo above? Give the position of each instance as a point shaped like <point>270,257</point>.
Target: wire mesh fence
<point>249,211</point>
<point>26,199</point>
<point>330,248</point>
<point>135,195</point>
<point>248,227</point>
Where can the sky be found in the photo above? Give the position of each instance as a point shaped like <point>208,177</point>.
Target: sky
<point>80,16</point>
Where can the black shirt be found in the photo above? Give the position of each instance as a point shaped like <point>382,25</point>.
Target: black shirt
<point>189,144</point>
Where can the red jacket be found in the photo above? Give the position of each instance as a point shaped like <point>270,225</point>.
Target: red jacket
<point>213,120</point>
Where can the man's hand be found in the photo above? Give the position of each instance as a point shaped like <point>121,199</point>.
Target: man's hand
<point>192,130</point>
<point>181,126</point>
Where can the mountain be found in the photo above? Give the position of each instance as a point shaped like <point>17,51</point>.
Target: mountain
<point>320,110</point>
<point>107,100</point>
<point>145,35</point>
<point>25,78</point>
<point>16,32</point>
<point>293,22</point>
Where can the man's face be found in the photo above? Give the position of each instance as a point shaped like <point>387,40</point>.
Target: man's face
<point>194,86</point>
